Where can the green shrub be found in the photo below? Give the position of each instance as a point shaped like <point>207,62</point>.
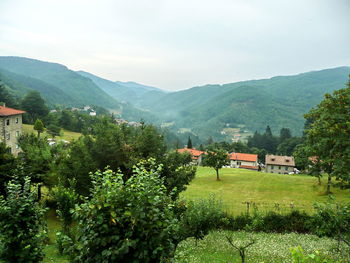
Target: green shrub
<point>22,225</point>
<point>299,256</point>
<point>126,221</point>
<point>200,217</point>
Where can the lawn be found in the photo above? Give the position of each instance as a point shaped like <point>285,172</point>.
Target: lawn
<point>66,135</point>
<point>267,191</point>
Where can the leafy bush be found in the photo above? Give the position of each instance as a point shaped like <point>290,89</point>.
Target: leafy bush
<point>331,220</point>
<point>299,256</point>
<point>126,221</point>
<point>200,217</point>
<point>22,225</point>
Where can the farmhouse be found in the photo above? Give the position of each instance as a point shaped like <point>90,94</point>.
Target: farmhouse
<point>197,155</point>
<point>10,128</point>
<point>279,164</point>
<point>244,160</point>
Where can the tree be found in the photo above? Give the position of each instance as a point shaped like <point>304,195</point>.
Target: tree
<point>8,167</point>
<point>54,130</point>
<point>328,136</point>
<point>189,143</point>
<point>6,97</point>
<point>22,225</point>
<point>216,158</point>
<point>39,127</point>
<point>285,134</point>
<point>35,106</point>
<point>126,221</point>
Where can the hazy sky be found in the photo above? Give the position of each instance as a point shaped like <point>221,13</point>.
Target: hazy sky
<point>178,44</point>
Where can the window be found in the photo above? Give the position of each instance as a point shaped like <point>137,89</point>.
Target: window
<point>239,163</point>
<point>286,168</point>
<point>272,167</point>
<point>17,146</point>
<point>8,122</point>
<point>17,120</point>
<point>279,167</point>
<point>17,133</point>
<point>8,136</point>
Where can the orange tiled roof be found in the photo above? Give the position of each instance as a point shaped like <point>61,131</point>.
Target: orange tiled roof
<point>5,111</point>
<point>195,153</point>
<point>244,157</point>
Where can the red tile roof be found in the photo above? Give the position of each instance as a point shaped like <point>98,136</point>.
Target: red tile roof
<point>5,111</point>
<point>244,157</point>
<point>195,153</point>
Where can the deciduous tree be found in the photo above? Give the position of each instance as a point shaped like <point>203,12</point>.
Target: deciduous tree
<point>216,158</point>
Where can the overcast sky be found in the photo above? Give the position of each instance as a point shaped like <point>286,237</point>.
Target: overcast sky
<point>178,44</point>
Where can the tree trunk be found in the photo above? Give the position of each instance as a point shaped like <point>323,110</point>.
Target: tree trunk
<point>39,192</point>
<point>329,184</point>
<point>319,180</point>
<point>217,175</point>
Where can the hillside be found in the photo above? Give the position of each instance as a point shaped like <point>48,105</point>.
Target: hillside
<point>81,90</point>
<point>131,92</point>
<point>249,105</point>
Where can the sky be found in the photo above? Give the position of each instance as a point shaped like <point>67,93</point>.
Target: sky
<point>179,44</point>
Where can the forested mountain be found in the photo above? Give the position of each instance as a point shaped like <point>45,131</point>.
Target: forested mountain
<point>131,92</point>
<point>81,90</point>
<point>278,102</point>
<point>61,86</point>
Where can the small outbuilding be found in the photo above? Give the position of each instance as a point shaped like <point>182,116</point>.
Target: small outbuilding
<point>279,164</point>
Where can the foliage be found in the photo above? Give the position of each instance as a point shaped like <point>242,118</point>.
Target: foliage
<point>128,221</point>
<point>6,96</point>
<point>299,256</point>
<point>22,225</point>
<point>189,143</point>
<point>39,126</point>
<point>177,172</point>
<point>8,166</point>
<point>35,107</point>
<point>54,130</point>
<point>327,139</point>
<point>216,158</point>
<point>200,217</point>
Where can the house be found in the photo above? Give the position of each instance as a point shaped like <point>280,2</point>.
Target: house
<point>279,164</point>
<point>10,128</point>
<point>197,155</point>
<point>244,160</point>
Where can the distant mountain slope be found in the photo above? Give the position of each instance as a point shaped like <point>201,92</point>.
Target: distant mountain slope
<point>278,102</point>
<point>21,85</point>
<point>82,90</point>
<point>124,91</point>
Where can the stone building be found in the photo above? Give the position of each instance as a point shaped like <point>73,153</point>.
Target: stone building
<point>279,164</point>
<point>10,128</point>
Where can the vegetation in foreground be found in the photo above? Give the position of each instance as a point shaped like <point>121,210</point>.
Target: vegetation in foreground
<point>268,247</point>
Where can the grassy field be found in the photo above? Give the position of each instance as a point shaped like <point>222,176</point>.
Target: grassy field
<point>268,191</point>
<point>66,135</point>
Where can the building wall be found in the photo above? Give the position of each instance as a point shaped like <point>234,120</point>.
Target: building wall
<point>10,132</point>
<point>236,164</point>
<point>278,169</point>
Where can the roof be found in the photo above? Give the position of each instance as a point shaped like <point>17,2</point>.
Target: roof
<point>244,157</point>
<point>195,153</point>
<point>279,160</point>
<point>5,111</point>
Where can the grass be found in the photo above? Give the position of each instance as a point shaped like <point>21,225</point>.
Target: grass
<point>66,135</point>
<point>268,247</point>
<point>267,191</point>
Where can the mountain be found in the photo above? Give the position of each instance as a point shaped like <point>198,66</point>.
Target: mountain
<point>248,105</point>
<point>59,85</point>
<point>131,92</point>
<point>81,90</point>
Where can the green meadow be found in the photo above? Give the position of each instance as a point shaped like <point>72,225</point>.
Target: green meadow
<point>65,135</point>
<point>263,191</point>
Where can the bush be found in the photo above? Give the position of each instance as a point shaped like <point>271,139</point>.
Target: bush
<point>126,221</point>
<point>22,225</point>
<point>299,256</point>
<point>200,217</point>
